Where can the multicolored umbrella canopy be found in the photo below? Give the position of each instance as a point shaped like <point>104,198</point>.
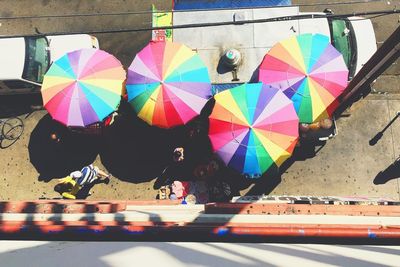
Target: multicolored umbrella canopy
<point>83,87</point>
<point>310,71</point>
<point>253,127</point>
<point>168,84</point>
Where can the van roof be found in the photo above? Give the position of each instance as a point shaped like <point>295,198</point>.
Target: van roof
<point>12,58</point>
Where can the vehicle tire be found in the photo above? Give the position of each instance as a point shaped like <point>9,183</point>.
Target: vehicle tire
<point>12,128</point>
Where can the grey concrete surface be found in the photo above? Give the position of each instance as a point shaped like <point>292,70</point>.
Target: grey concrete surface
<point>176,254</point>
<point>347,165</point>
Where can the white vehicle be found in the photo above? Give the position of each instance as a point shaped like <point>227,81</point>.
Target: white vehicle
<point>25,60</point>
<point>354,37</point>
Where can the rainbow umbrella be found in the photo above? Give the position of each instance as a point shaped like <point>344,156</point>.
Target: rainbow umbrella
<point>253,127</point>
<point>168,84</point>
<point>83,87</point>
<point>310,71</point>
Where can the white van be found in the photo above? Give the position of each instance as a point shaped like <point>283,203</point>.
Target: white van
<point>25,60</point>
<point>354,37</point>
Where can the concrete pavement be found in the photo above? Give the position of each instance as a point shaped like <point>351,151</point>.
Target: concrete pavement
<point>176,254</point>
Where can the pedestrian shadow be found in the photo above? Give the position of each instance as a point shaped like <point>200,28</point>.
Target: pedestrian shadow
<point>52,159</point>
<point>391,172</point>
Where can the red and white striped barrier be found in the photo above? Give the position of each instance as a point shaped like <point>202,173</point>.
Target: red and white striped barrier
<point>156,219</point>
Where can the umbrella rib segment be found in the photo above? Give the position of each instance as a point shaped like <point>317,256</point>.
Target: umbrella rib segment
<point>264,159</point>
<point>275,63</point>
<point>193,76</point>
<point>111,98</point>
<point>251,163</point>
<point>147,110</point>
<point>145,60</point>
<point>227,151</point>
<point>332,62</point>
<point>319,44</point>
<point>221,139</point>
<point>179,100</point>
<point>158,51</point>
<point>293,49</point>
<point>321,100</point>
<point>63,65</point>
<point>139,67</point>
<point>239,157</point>
<point>52,88</point>
<point>226,100</point>
<point>101,107</point>
<point>115,73</point>
<point>304,42</point>
<point>182,55</point>
<point>193,101</point>
<point>58,71</point>
<point>279,58</point>
<point>159,116</point>
<point>173,117</point>
<point>74,112</point>
<point>59,107</point>
<point>102,61</point>
<point>335,81</point>
<point>277,102</point>
<point>86,59</point>
<point>306,111</point>
<point>284,141</point>
<point>87,110</point>
<point>276,153</point>
<point>105,85</point>
<point>137,90</point>
<point>239,95</point>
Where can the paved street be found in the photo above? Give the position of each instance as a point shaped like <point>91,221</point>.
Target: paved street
<point>345,166</point>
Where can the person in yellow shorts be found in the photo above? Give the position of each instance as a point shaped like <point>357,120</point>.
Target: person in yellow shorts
<point>70,185</point>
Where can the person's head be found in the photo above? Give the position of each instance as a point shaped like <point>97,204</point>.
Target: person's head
<point>55,137</point>
<point>177,154</point>
<point>62,188</point>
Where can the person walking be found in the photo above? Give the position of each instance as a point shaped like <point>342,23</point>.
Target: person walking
<point>70,185</point>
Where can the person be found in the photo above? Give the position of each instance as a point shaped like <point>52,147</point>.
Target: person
<point>178,155</point>
<point>55,137</point>
<point>70,185</point>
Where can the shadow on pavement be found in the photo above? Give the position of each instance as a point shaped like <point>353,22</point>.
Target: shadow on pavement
<point>391,172</point>
<point>135,152</point>
<point>273,176</point>
<point>16,105</point>
<point>53,159</point>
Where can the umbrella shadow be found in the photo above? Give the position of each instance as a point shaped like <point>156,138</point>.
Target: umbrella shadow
<point>391,172</point>
<point>134,151</point>
<point>273,176</point>
<point>57,159</point>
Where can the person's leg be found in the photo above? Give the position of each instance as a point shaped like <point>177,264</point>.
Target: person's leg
<point>101,173</point>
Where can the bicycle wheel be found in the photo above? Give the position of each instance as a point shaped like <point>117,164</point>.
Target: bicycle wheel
<point>12,128</point>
